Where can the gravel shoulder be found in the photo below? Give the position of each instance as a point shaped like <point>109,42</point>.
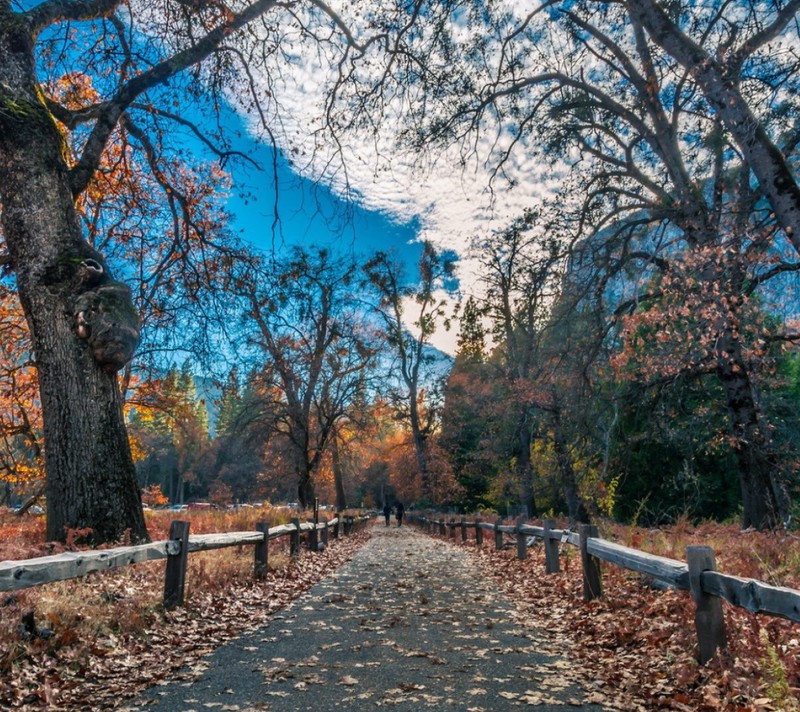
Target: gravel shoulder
<point>408,623</point>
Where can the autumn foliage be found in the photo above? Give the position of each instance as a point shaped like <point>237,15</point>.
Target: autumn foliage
<point>21,443</point>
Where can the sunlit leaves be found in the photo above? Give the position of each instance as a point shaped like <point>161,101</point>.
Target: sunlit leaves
<point>21,454</point>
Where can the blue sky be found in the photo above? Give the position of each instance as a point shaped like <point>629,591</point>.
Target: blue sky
<point>309,213</point>
<point>443,197</point>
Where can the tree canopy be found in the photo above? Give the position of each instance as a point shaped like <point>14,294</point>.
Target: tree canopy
<point>637,305</point>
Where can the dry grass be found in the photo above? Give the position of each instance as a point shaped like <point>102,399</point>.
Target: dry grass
<point>772,557</point>
<point>120,602</point>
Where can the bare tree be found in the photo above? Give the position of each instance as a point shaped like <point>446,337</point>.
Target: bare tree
<point>311,326</point>
<point>737,53</point>
<point>411,313</point>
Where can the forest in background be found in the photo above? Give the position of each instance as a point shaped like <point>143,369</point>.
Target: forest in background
<point>602,419</point>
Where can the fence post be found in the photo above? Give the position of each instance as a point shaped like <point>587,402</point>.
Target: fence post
<point>442,530</point>
<point>452,525</point>
<point>261,565</point>
<point>175,573</point>
<point>336,525</point>
<point>522,540</point>
<point>478,533</point>
<point>463,529</point>
<point>552,564</point>
<point>592,582</point>
<point>313,539</point>
<point>294,537</point>
<point>498,535</point>
<point>708,618</point>
<point>325,533</point>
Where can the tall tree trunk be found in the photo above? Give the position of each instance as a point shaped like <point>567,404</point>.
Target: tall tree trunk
<point>576,507</point>
<point>763,505</point>
<point>338,475</point>
<point>421,450</point>
<point>91,480</point>
<point>305,482</point>
<point>524,469</point>
<point>305,491</point>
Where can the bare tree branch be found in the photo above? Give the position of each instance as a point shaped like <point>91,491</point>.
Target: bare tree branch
<point>107,119</point>
<point>55,11</point>
<point>221,153</point>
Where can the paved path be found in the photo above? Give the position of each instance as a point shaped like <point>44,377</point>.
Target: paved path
<point>408,623</point>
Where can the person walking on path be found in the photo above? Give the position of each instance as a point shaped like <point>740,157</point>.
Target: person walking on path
<point>398,508</point>
<point>387,512</point>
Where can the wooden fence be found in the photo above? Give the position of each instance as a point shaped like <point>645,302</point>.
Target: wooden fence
<point>26,573</point>
<point>697,574</point>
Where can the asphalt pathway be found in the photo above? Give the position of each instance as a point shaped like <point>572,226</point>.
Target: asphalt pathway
<point>408,623</point>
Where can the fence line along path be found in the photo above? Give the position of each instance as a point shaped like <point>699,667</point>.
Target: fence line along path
<point>408,623</point>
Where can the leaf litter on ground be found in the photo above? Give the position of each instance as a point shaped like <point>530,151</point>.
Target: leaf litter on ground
<point>639,642</point>
<point>112,638</point>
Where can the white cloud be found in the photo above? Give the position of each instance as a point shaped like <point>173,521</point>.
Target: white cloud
<point>452,202</point>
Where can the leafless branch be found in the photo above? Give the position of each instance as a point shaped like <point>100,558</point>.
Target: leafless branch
<point>55,11</point>
<point>112,111</point>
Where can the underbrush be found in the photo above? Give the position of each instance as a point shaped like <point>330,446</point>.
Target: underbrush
<point>24,537</point>
<point>772,557</point>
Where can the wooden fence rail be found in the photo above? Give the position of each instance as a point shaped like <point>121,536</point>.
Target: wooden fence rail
<point>698,574</point>
<point>26,573</point>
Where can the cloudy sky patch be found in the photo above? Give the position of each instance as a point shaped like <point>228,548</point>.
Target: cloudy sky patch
<point>454,197</point>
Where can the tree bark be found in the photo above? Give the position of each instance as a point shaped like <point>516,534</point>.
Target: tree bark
<point>303,470</point>
<point>524,469</point>
<point>338,475</point>
<point>762,155</point>
<point>420,445</point>
<point>305,488</point>
<point>91,480</point>
<point>576,508</point>
<point>763,506</point>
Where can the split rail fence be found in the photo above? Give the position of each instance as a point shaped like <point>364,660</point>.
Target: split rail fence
<point>697,574</point>
<point>15,575</point>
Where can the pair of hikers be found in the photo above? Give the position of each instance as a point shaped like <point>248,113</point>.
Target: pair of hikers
<point>398,513</point>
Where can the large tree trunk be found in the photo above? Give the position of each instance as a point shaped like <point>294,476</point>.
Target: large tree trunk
<point>91,481</point>
<point>576,508</point>
<point>305,489</point>
<point>429,488</point>
<point>762,502</point>
<point>304,472</point>
<point>338,475</point>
